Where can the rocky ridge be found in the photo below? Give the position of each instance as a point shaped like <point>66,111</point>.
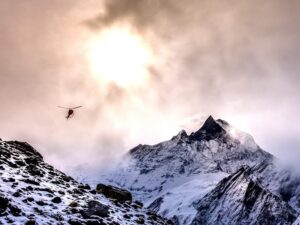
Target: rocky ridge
<point>237,199</point>
<point>171,176</point>
<point>33,192</point>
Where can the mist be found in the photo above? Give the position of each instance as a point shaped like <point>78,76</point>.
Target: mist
<point>235,60</point>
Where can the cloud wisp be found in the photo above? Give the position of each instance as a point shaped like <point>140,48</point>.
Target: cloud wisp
<point>237,60</point>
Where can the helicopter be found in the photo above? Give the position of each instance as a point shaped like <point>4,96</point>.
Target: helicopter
<point>70,111</point>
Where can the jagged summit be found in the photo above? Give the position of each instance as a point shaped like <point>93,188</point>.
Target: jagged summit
<point>211,129</point>
<point>212,176</point>
<point>181,135</point>
<point>182,170</point>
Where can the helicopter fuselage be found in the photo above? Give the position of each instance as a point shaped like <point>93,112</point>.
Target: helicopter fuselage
<point>70,113</point>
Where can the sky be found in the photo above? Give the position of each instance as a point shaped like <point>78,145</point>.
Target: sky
<point>145,69</point>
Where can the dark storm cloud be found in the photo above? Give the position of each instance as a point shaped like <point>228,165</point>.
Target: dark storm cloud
<point>237,60</point>
<point>141,13</point>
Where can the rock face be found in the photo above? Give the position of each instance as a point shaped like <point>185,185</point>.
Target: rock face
<point>114,193</point>
<point>297,222</point>
<point>95,208</point>
<point>171,176</point>
<point>239,200</point>
<point>210,130</point>
<point>33,192</point>
<point>278,179</point>
<point>185,168</point>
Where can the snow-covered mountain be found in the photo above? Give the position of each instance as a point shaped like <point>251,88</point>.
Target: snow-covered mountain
<point>171,176</point>
<point>279,180</point>
<point>237,199</point>
<point>33,192</point>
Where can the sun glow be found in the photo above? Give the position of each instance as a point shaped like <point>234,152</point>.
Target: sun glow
<point>120,56</point>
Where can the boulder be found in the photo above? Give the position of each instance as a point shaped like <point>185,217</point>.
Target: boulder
<point>56,200</point>
<point>30,222</point>
<point>73,204</point>
<point>15,210</point>
<point>95,208</point>
<point>3,204</point>
<point>117,194</point>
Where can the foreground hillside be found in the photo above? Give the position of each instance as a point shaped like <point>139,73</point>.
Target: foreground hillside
<point>33,192</point>
<point>173,178</point>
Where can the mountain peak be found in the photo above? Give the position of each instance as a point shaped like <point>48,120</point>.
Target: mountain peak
<point>181,135</point>
<point>211,129</point>
<point>210,118</point>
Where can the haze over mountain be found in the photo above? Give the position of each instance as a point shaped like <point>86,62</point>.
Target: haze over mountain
<point>216,175</point>
<point>141,72</point>
<point>236,60</point>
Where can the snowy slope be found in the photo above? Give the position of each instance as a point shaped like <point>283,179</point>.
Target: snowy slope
<point>177,202</point>
<point>171,175</point>
<point>239,200</point>
<point>279,179</point>
<point>297,222</point>
<point>33,192</point>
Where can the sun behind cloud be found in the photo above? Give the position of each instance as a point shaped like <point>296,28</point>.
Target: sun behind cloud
<point>119,55</point>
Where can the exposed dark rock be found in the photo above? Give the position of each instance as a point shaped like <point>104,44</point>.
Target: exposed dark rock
<point>30,181</point>
<point>15,184</point>
<point>94,222</point>
<point>210,130</point>
<point>175,220</point>
<point>16,211</point>
<point>180,136</point>
<point>84,186</point>
<point>137,204</point>
<point>17,194</point>
<point>10,179</point>
<point>118,194</point>
<point>67,178</point>
<point>127,216</point>
<point>140,221</point>
<point>3,204</point>
<point>30,199</point>
<point>41,203</point>
<point>29,188</point>
<point>73,204</point>
<point>44,190</point>
<point>237,199</point>
<point>78,191</point>
<point>170,222</point>
<point>75,222</point>
<point>26,148</point>
<point>32,160</point>
<point>31,222</point>
<point>61,192</point>
<point>93,192</point>
<point>95,208</point>
<point>21,165</point>
<point>155,205</point>
<point>34,170</point>
<point>56,200</point>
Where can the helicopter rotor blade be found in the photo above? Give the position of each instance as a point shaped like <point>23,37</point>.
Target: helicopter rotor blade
<point>62,107</point>
<point>77,107</point>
